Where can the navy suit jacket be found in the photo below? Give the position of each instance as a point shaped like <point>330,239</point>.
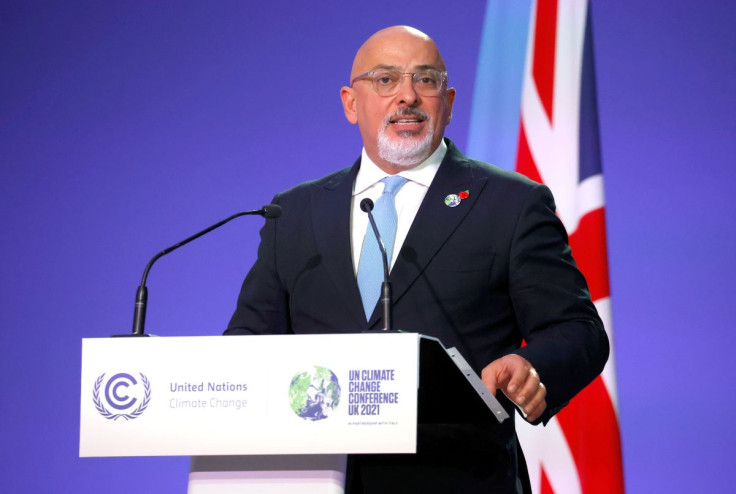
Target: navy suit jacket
<point>481,276</point>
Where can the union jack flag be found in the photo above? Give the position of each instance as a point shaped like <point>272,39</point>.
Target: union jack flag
<point>535,107</point>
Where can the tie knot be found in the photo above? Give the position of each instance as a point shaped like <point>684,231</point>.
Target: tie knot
<point>393,184</point>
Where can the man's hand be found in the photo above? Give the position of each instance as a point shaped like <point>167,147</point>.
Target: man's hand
<point>516,377</point>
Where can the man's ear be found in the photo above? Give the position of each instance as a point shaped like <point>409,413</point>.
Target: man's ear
<point>347,94</point>
<point>449,100</point>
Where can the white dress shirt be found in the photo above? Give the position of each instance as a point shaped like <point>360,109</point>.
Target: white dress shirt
<point>408,199</point>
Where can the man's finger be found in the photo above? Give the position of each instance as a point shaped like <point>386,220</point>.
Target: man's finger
<point>495,375</point>
<point>488,376</point>
<point>535,399</point>
<point>529,387</point>
<point>520,373</point>
<point>536,406</point>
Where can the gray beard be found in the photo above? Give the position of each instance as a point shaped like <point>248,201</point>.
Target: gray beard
<point>407,152</point>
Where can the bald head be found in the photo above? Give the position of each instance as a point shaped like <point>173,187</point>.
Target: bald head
<point>390,41</point>
<point>404,125</point>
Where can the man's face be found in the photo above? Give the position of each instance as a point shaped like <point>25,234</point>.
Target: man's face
<point>401,130</point>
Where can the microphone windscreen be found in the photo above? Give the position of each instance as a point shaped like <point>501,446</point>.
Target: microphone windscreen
<point>366,205</point>
<point>271,211</point>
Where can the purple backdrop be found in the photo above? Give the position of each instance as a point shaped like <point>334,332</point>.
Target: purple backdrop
<point>126,126</point>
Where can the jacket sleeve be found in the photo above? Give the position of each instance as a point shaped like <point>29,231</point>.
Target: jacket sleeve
<point>565,339</point>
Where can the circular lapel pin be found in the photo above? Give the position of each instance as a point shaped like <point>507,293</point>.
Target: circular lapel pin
<point>452,200</point>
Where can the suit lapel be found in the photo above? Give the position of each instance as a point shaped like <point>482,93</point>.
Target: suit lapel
<point>331,203</point>
<point>435,221</point>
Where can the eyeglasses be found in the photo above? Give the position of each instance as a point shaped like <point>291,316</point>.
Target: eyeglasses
<point>387,82</point>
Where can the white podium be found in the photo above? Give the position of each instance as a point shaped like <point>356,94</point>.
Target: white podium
<point>271,414</point>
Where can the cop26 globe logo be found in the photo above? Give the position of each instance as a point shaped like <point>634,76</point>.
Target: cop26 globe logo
<point>121,396</point>
<point>315,394</point>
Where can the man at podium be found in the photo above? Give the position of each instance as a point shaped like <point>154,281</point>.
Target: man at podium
<point>478,259</point>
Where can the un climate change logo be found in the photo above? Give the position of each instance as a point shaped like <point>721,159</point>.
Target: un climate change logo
<point>314,395</point>
<point>122,393</point>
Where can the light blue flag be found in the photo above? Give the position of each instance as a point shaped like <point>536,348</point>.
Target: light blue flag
<point>494,119</point>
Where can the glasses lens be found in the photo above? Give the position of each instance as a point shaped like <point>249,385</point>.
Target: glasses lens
<point>427,82</point>
<point>386,81</point>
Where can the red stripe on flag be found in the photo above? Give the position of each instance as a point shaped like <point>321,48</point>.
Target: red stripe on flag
<point>524,161</point>
<point>591,428</point>
<point>546,486</point>
<point>543,64</point>
<point>588,244</point>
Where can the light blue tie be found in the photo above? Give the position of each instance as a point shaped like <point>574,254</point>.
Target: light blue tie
<point>370,268</point>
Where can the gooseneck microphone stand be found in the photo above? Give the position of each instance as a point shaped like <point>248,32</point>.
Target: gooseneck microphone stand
<point>367,206</point>
<point>141,296</point>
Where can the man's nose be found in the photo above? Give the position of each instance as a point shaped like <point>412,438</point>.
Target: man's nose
<point>407,94</point>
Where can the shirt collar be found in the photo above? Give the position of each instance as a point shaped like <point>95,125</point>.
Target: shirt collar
<point>369,173</point>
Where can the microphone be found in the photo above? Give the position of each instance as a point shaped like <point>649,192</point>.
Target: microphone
<point>268,211</point>
<point>367,206</point>
<point>141,297</point>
